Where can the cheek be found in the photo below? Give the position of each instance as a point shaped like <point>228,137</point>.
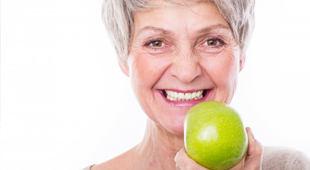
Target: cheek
<point>146,70</point>
<point>230,70</point>
<point>223,69</point>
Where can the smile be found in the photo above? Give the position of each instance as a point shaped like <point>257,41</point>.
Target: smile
<point>178,96</point>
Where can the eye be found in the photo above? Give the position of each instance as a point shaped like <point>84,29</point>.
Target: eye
<point>212,42</point>
<point>155,43</point>
<point>212,45</point>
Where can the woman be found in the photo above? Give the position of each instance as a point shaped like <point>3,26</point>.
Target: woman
<point>178,54</point>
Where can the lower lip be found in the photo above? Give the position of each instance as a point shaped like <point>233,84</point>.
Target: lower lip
<point>188,103</point>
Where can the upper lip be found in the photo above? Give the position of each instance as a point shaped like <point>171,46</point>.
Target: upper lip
<point>184,91</point>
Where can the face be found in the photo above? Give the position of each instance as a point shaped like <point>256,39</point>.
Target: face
<point>181,56</point>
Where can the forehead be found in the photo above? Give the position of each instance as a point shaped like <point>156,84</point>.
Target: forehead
<point>175,17</point>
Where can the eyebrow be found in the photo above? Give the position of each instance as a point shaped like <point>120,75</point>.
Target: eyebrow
<point>156,29</point>
<point>213,27</point>
<point>168,32</point>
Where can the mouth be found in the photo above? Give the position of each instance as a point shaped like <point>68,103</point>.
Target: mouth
<point>180,96</point>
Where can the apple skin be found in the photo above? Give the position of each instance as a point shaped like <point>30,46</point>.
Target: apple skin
<point>214,135</point>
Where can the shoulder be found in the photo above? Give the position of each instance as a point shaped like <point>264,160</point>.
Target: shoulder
<point>112,164</point>
<point>121,162</point>
<point>284,158</point>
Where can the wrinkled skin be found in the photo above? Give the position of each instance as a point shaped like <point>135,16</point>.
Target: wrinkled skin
<point>183,49</point>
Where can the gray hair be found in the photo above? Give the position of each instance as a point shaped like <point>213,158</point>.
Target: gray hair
<point>118,19</point>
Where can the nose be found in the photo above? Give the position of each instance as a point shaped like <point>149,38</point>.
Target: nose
<point>186,68</point>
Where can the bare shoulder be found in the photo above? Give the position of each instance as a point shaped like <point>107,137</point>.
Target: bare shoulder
<point>114,163</point>
<point>284,158</point>
<point>120,162</point>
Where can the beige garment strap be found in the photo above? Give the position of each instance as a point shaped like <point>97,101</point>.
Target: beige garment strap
<point>88,168</point>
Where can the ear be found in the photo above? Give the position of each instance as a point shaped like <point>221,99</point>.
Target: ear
<point>124,67</point>
<point>242,62</point>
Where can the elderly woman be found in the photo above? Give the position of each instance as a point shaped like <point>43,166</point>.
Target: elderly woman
<point>178,54</point>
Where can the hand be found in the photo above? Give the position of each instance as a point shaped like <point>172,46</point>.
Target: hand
<point>252,160</point>
<point>183,162</point>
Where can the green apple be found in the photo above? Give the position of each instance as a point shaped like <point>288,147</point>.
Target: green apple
<point>214,135</point>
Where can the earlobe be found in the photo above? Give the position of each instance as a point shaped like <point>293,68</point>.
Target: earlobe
<point>124,67</point>
<point>242,62</point>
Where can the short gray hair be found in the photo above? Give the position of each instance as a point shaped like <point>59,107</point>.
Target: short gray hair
<point>118,19</point>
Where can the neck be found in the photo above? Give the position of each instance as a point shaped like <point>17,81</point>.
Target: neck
<point>159,147</point>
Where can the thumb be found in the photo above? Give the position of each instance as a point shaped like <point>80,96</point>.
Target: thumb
<point>253,159</point>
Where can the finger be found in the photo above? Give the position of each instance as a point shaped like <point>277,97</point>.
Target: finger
<point>253,159</point>
<point>255,147</point>
<point>184,162</point>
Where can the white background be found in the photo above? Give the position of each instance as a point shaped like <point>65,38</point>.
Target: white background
<point>65,104</point>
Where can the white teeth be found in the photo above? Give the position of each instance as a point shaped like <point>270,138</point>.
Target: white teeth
<point>188,96</point>
<point>194,95</point>
<point>180,95</point>
<point>175,96</point>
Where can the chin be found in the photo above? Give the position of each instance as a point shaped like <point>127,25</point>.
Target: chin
<point>175,126</point>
